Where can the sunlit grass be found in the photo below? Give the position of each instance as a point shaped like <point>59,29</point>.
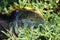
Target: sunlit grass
<point>50,30</point>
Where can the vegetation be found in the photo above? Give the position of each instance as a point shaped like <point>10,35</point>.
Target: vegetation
<point>50,30</point>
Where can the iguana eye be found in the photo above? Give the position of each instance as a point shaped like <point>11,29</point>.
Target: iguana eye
<point>31,19</point>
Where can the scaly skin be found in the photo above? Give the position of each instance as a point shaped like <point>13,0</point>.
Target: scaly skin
<point>24,16</point>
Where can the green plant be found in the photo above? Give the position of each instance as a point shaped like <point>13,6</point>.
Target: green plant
<point>50,30</point>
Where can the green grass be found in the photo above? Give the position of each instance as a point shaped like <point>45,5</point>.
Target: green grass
<point>50,30</point>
